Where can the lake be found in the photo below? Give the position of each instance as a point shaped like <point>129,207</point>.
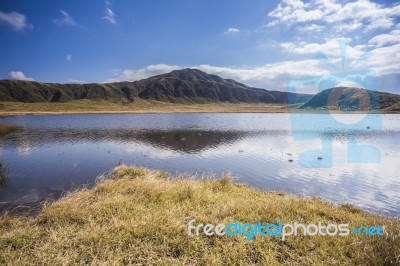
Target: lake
<point>54,154</point>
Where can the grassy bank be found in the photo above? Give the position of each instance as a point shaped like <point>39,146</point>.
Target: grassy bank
<point>6,128</point>
<point>150,106</point>
<point>140,216</point>
<point>139,106</point>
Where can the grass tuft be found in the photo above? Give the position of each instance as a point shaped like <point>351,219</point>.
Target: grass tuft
<point>3,175</point>
<point>140,216</point>
<point>6,129</point>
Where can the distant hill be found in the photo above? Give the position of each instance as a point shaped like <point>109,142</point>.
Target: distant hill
<point>352,99</point>
<point>179,86</point>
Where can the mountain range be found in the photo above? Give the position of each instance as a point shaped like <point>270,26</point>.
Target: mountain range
<point>195,86</point>
<point>179,86</point>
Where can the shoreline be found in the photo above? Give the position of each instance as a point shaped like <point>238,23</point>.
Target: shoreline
<point>155,107</point>
<point>134,112</point>
<point>188,111</point>
<point>8,114</point>
<point>40,205</point>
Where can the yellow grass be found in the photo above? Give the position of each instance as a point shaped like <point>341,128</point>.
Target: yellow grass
<point>151,106</point>
<point>140,216</point>
<point>139,106</point>
<point>6,128</point>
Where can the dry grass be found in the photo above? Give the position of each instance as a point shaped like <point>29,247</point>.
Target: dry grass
<point>140,216</point>
<point>6,128</point>
<point>139,106</point>
<point>150,106</point>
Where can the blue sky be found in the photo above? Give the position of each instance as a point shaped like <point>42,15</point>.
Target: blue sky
<point>260,43</point>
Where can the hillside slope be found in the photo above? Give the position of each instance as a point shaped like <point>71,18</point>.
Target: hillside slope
<point>353,99</point>
<point>179,86</point>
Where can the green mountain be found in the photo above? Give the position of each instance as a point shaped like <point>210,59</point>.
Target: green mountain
<point>179,86</point>
<point>353,99</point>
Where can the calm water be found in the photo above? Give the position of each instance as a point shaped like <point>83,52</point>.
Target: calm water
<point>57,153</point>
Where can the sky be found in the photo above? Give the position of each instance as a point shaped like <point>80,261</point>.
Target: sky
<point>260,43</point>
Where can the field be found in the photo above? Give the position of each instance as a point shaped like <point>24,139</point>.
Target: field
<point>139,106</point>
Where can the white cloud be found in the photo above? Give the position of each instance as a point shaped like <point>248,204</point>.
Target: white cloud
<point>363,10</point>
<point>312,28</point>
<point>349,27</point>
<point>66,19</point>
<point>232,31</point>
<point>69,57</point>
<point>132,75</point>
<point>109,14</point>
<point>77,81</point>
<point>385,39</point>
<point>385,60</point>
<point>16,20</point>
<point>381,23</point>
<point>290,11</point>
<point>19,75</point>
<point>272,23</point>
<point>268,75</point>
<point>347,16</point>
<point>330,48</point>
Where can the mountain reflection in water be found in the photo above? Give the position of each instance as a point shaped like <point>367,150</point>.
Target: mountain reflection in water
<point>56,154</point>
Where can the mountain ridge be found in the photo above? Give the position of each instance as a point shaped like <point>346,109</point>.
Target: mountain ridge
<point>178,86</point>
